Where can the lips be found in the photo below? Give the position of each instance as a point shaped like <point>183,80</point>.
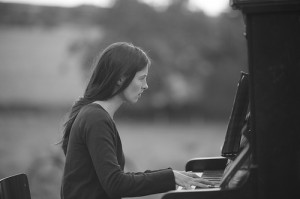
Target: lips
<point>140,94</point>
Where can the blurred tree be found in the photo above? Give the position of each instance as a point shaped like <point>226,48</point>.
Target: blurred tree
<point>196,59</point>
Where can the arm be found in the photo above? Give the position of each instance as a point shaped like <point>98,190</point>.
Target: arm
<point>102,146</point>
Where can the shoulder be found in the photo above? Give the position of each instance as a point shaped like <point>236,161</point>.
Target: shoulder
<point>95,123</point>
<point>93,116</point>
<point>93,112</point>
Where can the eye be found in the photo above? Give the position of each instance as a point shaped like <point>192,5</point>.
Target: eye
<point>143,77</point>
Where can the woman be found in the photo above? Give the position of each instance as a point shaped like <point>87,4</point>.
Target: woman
<point>94,166</point>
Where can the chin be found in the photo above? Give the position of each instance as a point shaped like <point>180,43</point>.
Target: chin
<point>135,100</point>
<point>132,101</point>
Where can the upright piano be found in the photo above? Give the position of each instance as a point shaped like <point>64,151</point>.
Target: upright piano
<point>267,164</point>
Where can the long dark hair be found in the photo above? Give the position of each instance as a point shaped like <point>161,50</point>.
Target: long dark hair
<point>119,60</point>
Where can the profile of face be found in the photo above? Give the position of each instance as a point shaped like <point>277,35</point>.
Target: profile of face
<point>136,87</point>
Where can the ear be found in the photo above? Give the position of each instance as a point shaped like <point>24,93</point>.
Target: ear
<point>121,81</point>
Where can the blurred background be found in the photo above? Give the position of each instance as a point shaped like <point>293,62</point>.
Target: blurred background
<point>46,53</point>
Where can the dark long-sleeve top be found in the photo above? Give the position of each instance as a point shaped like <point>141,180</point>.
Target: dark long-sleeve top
<point>94,167</point>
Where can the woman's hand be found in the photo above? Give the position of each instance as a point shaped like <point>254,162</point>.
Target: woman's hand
<point>187,179</point>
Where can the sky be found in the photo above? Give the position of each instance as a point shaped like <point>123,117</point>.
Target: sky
<point>210,7</point>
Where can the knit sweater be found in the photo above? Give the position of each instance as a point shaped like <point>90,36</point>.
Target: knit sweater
<point>94,166</point>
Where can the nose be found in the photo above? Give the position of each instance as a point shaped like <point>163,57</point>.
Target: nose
<point>145,86</point>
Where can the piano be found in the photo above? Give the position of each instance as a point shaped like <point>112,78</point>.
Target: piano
<point>260,158</point>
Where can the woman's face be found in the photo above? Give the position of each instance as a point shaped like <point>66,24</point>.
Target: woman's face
<point>137,86</point>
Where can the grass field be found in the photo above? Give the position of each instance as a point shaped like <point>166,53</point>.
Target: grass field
<point>27,145</point>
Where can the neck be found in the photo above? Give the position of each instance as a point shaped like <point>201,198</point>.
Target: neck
<point>111,105</point>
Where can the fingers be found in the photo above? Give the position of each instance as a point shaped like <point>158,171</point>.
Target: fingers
<point>193,175</point>
<point>200,182</point>
<point>196,178</point>
<point>196,184</point>
<point>204,181</point>
<point>204,185</point>
<point>190,181</point>
<point>190,174</point>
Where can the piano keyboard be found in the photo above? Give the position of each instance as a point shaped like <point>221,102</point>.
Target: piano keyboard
<point>214,176</point>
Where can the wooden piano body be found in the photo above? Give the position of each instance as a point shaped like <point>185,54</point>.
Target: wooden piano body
<point>273,42</point>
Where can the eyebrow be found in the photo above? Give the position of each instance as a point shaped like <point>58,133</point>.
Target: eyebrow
<point>145,75</point>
